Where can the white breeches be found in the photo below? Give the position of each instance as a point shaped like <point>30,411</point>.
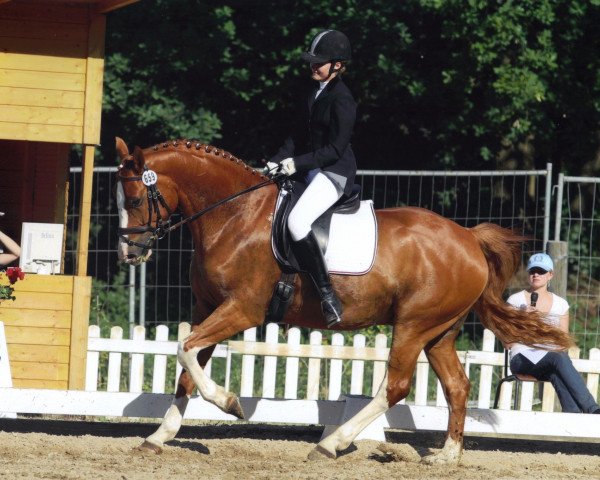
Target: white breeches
<point>320,194</point>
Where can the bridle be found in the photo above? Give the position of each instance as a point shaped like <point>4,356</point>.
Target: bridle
<point>163,226</point>
<point>154,199</point>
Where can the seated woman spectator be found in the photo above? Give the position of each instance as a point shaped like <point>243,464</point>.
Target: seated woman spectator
<point>9,250</point>
<point>547,365</point>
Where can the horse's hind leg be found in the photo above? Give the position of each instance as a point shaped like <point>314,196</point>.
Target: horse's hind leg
<point>444,361</point>
<point>395,387</point>
<point>171,423</point>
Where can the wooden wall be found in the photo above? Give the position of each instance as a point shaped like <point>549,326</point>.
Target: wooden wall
<point>34,184</point>
<point>51,70</point>
<point>46,331</point>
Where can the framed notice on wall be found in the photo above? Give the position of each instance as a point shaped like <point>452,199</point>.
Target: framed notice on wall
<point>41,247</point>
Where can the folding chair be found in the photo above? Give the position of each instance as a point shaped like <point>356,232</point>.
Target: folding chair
<point>515,377</point>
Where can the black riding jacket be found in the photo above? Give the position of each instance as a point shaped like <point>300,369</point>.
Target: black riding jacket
<point>322,136</point>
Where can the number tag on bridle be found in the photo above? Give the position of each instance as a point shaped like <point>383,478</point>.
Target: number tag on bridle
<point>149,177</point>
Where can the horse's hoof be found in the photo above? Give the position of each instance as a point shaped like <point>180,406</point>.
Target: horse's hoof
<point>437,459</point>
<point>148,447</point>
<point>320,453</point>
<point>234,407</point>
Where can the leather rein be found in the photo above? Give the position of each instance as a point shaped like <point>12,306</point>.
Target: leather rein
<point>163,226</point>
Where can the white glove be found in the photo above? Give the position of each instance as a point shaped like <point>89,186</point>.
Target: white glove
<point>270,168</point>
<point>288,167</point>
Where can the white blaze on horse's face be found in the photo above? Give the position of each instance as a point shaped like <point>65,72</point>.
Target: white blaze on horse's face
<point>131,255</point>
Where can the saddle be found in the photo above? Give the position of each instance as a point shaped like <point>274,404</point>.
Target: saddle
<point>281,242</point>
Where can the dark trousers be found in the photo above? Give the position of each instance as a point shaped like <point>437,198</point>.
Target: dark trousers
<point>557,368</point>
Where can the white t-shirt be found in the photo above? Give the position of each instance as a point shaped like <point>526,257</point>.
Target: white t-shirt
<point>558,309</point>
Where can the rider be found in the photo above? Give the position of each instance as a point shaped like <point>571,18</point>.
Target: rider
<point>318,153</point>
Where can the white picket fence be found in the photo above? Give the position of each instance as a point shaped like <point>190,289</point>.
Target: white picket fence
<point>427,411</point>
<point>139,348</point>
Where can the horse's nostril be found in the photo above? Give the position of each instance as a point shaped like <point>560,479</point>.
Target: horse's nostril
<point>131,256</point>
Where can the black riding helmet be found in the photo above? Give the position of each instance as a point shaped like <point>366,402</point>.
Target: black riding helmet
<point>327,46</point>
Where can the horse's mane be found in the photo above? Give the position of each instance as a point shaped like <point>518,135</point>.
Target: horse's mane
<point>203,149</point>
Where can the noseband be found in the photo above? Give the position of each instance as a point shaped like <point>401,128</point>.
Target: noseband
<point>160,229</point>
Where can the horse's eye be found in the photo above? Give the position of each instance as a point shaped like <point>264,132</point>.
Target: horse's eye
<point>134,202</point>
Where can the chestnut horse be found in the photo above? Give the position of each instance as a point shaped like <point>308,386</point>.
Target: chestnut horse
<point>428,274</point>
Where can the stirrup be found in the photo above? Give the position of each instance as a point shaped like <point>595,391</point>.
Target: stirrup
<point>332,312</point>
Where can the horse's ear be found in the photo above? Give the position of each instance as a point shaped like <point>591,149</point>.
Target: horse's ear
<point>138,159</point>
<point>122,149</point>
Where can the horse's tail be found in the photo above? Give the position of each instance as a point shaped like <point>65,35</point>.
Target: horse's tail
<point>502,250</point>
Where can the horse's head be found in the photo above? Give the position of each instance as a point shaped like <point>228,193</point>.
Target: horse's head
<point>142,201</point>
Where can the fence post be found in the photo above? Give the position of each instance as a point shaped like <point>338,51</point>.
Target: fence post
<point>247,380</point>
<point>131,288</point>
<point>136,370</point>
<point>270,365</point>
<point>358,367</point>
<point>114,363</point>
<point>592,378</point>
<point>485,375</point>
<point>547,202</point>
<point>291,365</point>
<point>314,368</point>
<point>559,200</point>
<point>559,251</point>
<point>92,362</point>
<point>335,370</point>
<point>421,383</point>
<point>159,373</point>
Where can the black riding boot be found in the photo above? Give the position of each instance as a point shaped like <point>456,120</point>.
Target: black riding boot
<point>311,260</point>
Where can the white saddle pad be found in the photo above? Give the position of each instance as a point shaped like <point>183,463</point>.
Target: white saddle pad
<point>352,241</point>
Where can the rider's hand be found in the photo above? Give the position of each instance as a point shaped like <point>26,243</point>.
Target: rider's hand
<point>288,167</point>
<point>270,168</point>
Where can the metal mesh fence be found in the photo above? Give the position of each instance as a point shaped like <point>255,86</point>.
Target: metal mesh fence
<point>159,292</point>
<point>577,223</point>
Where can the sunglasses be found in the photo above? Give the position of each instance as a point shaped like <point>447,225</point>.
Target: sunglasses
<point>537,270</point>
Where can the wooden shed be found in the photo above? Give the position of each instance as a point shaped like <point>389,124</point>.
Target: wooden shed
<point>51,74</point>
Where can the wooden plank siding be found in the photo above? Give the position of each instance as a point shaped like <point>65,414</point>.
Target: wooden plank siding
<point>51,71</point>
<point>38,327</point>
<point>51,76</point>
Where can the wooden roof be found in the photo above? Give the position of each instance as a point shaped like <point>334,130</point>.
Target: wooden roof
<point>101,6</point>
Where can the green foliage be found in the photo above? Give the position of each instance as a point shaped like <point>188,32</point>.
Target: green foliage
<point>440,83</point>
<point>110,304</point>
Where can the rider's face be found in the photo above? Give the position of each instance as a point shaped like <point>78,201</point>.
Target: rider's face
<point>320,71</point>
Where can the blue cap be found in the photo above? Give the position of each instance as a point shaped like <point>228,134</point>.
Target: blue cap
<point>540,260</point>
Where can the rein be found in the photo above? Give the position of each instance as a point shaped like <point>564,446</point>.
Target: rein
<point>163,226</point>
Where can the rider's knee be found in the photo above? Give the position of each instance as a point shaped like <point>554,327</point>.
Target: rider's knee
<point>297,226</point>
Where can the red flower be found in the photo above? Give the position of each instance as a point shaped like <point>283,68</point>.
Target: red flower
<point>14,274</point>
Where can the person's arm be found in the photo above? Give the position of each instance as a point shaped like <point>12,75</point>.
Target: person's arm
<point>14,250</point>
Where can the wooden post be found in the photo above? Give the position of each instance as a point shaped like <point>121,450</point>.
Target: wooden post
<point>85,209</point>
<point>94,76</point>
<point>80,314</point>
<point>559,251</point>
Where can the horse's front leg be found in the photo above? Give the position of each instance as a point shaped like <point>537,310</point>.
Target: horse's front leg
<point>171,423</point>
<point>223,323</point>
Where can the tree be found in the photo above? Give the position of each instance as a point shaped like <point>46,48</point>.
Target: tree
<point>440,83</point>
